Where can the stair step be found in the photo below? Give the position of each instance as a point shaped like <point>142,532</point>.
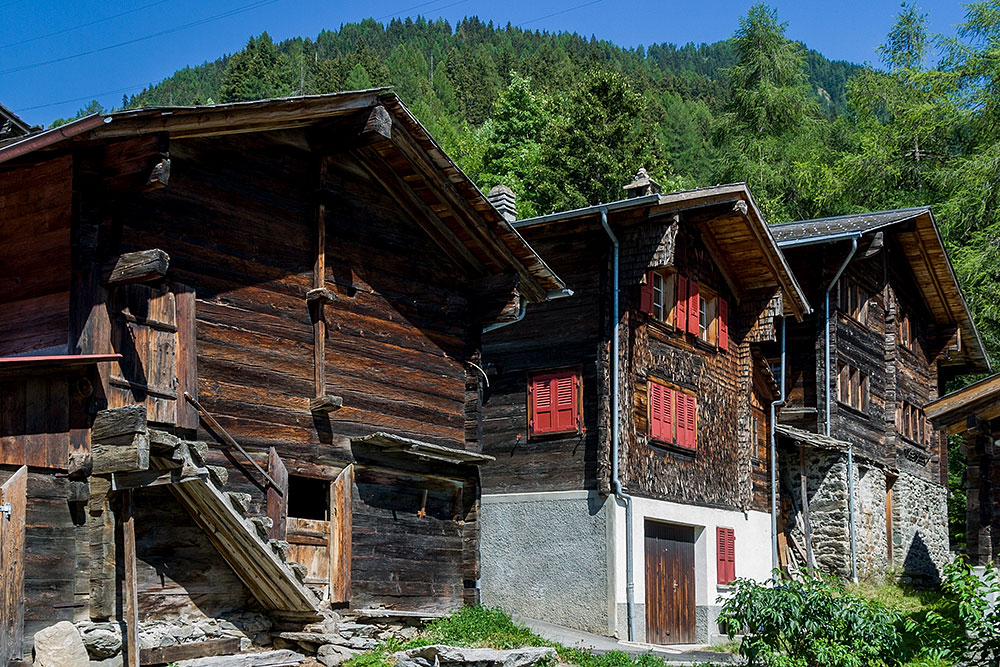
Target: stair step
<point>240,501</point>
<point>219,475</point>
<point>263,524</point>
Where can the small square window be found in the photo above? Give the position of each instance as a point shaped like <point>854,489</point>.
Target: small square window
<point>554,402</point>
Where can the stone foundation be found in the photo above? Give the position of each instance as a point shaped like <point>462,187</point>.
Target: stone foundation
<point>920,528</point>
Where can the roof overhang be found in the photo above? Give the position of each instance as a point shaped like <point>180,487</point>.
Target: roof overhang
<point>422,450</point>
<point>382,133</point>
<point>925,251</point>
<point>980,399</point>
<point>732,226</point>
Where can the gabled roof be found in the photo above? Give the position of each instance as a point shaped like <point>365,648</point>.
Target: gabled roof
<point>981,399</point>
<point>735,228</point>
<point>381,132</point>
<point>924,248</point>
<point>12,125</point>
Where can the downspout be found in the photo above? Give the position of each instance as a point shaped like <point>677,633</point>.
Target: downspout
<point>774,457</point>
<point>850,445</point>
<point>615,478</point>
<point>551,296</point>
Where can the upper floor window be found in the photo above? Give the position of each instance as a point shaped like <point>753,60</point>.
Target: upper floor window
<point>853,300</point>
<point>912,424</point>
<point>554,402</point>
<point>904,330</point>
<point>852,387</point>
<point>673,416</point>
<point>672,298</point>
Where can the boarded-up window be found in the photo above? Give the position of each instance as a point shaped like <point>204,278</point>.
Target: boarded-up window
<point>154,331</point>
<point>554,402</point>
<point>725,545</point>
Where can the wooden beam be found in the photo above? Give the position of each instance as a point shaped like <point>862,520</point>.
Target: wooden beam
<point>120,458</point>
<point>804,487</point>
<point>319,283</point>
<point>320,295</point>
<point>472,221</point>
<point>325,404</point>
<point>228,439</point>
<point>159,177</point>
<point>118,426</point>
<point>130,601</point>
<point>421,213</point>
<point>142,266</point>
<point>169,654</point>
<point>121,481</point>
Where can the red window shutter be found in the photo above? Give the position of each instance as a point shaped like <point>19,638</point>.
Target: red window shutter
<point>565,407</point>
<point>723,324</point>
<point>555,403</point>
<point>721,567</point>
<point>681,403</point>
<point>693,308</point>
<point>656,411</point>
<point>646,295</point>
<point>680,312</point>
<point>541,404</point>
<point>689,422</point>
<point>669,398</point>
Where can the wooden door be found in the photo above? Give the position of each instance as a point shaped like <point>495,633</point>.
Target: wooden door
<point>670,605</point>
<point>13,496</point>
<point>322,540</point>
<point>153,330</point>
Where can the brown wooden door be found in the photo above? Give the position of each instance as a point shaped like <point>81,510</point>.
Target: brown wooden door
<point>13,496</point>
<point>669,583</point>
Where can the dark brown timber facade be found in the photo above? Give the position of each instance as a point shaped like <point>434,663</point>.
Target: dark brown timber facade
<point>239,352</point>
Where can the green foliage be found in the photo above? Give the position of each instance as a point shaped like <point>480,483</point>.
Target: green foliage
<point>254,73</point>
<point>92,107</point>
<point>811,623</point>
<point>480,627</point>
<point>957,466</point>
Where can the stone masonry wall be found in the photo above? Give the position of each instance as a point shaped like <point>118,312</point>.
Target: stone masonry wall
<point>826,475</point>
<point>869,522</point>
<point>920,527</point>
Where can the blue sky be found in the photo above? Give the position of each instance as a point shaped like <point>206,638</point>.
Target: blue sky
<point>128,44</point>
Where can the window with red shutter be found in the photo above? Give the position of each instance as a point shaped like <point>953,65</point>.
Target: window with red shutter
<point>681,312</point>
<point>693,308</point>
<point>656,395</point>
<point>681,401</point>
<point>646,294</point>
<point>723,324</point>
<point>554,401</point>
<point>725,545</point>
<point>687,423</point>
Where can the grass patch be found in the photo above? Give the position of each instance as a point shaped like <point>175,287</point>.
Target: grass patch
<point>907,600</point>
<point>479,627</point>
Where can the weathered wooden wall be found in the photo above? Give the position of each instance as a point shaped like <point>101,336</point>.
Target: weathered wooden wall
<point>35,208</point>
<point>557,334</point>
<point>721,472</point>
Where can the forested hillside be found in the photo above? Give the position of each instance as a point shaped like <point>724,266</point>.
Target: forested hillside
<point>565,120</point>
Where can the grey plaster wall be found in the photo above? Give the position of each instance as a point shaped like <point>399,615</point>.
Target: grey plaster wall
<point>547,558</point>
<point>920,527</point>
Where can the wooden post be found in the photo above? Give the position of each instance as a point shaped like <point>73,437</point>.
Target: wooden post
<point>979,510</point>
<point>319,282</point>
<point>804,485</point>
<point>130,602</point>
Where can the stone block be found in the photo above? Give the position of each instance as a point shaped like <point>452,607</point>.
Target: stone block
<point>60,645</point>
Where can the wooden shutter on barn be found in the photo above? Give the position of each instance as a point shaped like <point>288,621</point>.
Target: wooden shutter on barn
<point>723,324</point>
<point>646,295</point>
<point>153,330</point>
<point>12,532</point>
<point>680,311</point>
<point>341,534</point>
<point>693,308</point>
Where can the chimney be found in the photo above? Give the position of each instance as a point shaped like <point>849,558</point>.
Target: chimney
<point>641,185</point>
<point>502,199</point>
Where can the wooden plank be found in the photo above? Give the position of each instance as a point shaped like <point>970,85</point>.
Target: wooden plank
<point>804,487</point>
<point>187,354</point>
<point>121,481</point>
<point>142,266</point>
<point>130,602</point>
<point>277,495</point>
<point>121,458</point>
<point>118,426</point>
<point>341,504</point>
<point>167,654</point>
<point>12,530</point>
<point>319,282</point>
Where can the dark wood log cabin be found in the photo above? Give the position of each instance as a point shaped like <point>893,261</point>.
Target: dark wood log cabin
<point>226,325</point>
<point>700,286</point>
<point>898,331</point>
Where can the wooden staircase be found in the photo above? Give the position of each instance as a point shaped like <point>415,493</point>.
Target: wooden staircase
<point>260,563</point>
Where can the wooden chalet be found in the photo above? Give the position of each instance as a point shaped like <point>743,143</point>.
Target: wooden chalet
<point>240,368</point>
<point>973,412</point>
<point>630,422</point>
<point>891,328</point>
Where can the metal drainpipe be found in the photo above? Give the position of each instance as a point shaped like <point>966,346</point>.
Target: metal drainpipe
<point>774,457</point>
<point>551,296</point>
<point>850,445</point>
<point>615,480</point>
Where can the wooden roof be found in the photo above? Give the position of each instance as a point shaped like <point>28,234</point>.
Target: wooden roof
<point>423,450</point>
<point>924,248</point>
<point>381,132</point>
<point>731,224</point>
<point>981,399</point>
